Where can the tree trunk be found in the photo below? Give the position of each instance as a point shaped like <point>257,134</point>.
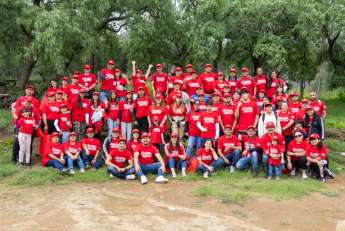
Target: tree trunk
<point>301,88</point>
<point>25,72</point>
<point>257,62</point>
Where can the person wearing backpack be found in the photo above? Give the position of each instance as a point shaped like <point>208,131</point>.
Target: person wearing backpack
<point>268,116</point>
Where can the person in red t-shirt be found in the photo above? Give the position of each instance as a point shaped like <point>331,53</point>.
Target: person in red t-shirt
<point>296,152</point>
<point>208,159</point>
<point>126,115</point>
<point>120,84</point>
<point>91,150</point>
<point>208,79</point>
<point>176,79</point>
<point>246,82</point>
<point>286,120</point>
<point>208,124</point>
<point>80,111</point>
<point>159,80</point>
<point>247,113</point>
<point>120,162</point>
<point>50,112</point>
<point>156,133</point>
<point>272,84</point>
<point>188,73</point>
<point>220,83</point>
<point>139,80</point>
<point>107,76</point>
<point>159,109</point>
<point>318,105</point>
<point>141,106</point>
<point>134,142</point>
<point>192,130</point>
<point>250,155</point>
<point>192,84</point>
<point>229,148</point>
<point>294,104</point>
<point>233,80</point>
<point>64,85</point>
<point>227,113</point>
<point>274,151</point>
<point>111,143</point>
<point>73,149</point>
<point>261,80</point>
<point>113,113</point>
<point>148,159</point>
<point>26,126</point>
<point>175,153</point>
<point>63,124</point>
<point>87,80</point>
<point>54,156</point>
<point>73,89</point>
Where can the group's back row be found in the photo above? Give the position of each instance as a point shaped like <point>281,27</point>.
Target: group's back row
<point>201,107</point>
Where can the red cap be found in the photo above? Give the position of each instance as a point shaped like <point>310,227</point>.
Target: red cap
<point>228,126</point>
<point>251,127</point>
<point>59,91</point>
<point>293,94</point>
<point>174,134</point>
<point>128,92</point>
<point>268,104</point>
<point>159,65</point>
<point>135,131</point>
<point>155,118</point>
<point>159,96</point>
<point>50,93</point>
<point>178,69</point>
<point>233,69</point>
<point>63,105</point>
<point>111,62</point>
<point>30,86</point>
<point>305,101</point>
<point>141,88</point>
<point>82,90</point>
<point>244,69</point>
<point>90,130</point>
<point>95,93</point>
<point>138,71</point>
<point>73,134</point>
<point>270,125</point>
<point>55,134</point>
<point>65,78</point>
<point>208,65</point>
<point>189,65</point>
<point>220,73</point>
<point>314,136</point>
<point>122,139</point>
<point>115,130</point>
<point>145,135</point>
<point>193,72</point>
<point>87,67</point>
<point>117,70</point>
<point>75,76</point>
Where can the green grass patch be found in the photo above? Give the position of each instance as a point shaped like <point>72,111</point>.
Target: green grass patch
<point>335,114</point>
<point>5,119</point>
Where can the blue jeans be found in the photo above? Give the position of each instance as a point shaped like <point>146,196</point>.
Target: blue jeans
<point>111,124</point>
<point>245,161</point>
<point>122,175</point>
<point>126,130</point>
<point>233,157</point>
<point>216,164</point>
<point>192,142</point>
<point>103,96</point>
<point>55,164</point>
<point>64,137</point>
<point>276,169</point>
<point>153,168</point>
<point>79,160</point>
<point>265,163</point>
<point>178,164</point>
<point>88,158</point>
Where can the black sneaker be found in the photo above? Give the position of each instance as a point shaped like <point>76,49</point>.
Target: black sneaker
<point>328,173</point>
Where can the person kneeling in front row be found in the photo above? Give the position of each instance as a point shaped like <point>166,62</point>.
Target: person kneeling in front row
<point>148,159</point>
<point>120,162</point>
<point>208,159</point>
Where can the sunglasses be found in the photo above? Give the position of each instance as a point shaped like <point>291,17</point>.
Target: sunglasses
<point>298,136</point>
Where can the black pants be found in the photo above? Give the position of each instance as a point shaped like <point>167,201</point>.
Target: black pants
<point>300,163</point>
<point>143,124</point>
<point>51,127</point>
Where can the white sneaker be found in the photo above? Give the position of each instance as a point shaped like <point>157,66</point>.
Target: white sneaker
<point>173,174</point>
<point>111,176</point>
<point>293,172</point>
<point>71,172</point>
<point>82,170</point>
<point>161,179</point>
<point>130,177</point>
<point>304,175</point>
<point>232,169</point>
<point>184,172</point>
<point>205,175</point>
<point>143,180</point>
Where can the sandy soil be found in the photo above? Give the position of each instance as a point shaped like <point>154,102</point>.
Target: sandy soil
<point>119,205</point>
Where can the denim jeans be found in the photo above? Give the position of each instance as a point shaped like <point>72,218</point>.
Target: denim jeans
<point>122,175</point>
<point>88,158</point>
<point>265,163</point>
<point>79,128</point>
<point>126,130</point>
<point>55,164</point>
<point>64,137</point>
<point>79,160</point>
<point>274,169</point>
<point>192,142</point>
<point>245,161</point>
<point>216,164</point>
<point>233,157</point>
<point>111,124</point>
<point>179,164</point>
<point>153,168</point>
<point>103,96</point>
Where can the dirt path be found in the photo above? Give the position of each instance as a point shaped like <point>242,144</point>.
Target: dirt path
<point>119,205</point>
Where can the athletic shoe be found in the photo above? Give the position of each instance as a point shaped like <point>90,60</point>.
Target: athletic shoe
<point>255,173</point>
<point>184,172</point>
<point>143,180</point>
<point>293,172</point>
<point>111,176</point>
<point>71,172</point>
<point>269,178</point>
<point>205,175</point>
<point>161,180</point>
<point>87,166</point>
<point>328,173</point>
<point>304,175</point>
<point>130,177</point>
<point>82,170</point>
<point>173,174</point>
<point>232,169</point>
<point>322,179</point>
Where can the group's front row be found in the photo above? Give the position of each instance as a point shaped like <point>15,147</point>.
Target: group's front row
<point>139,157</point>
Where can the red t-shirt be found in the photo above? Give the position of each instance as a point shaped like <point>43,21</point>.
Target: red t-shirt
<point>120,158</point>
<point>92,144</point>
<point>208,120</point>
<point>227,114</point>
<point>147,154</point>
<point>160,112</point>
<point>313,152</point>
<point>193,118</point>
<point>271,91</point>
<point>51,110</point>
<point>246,82</point>
<point>64,122</point>
<point>78,113</point>
<point>261,81</point>
<point>87,80</point>
<point>132,146</point>
<point>178,79</point>
<point>141,104</point>
<point>225,142</point>
<point>72,92</point>
<point>113,109</point>
<point>56,149</point>
<point>26,125</point>
<point>160,81</point>
<point>208,80</point>
<point>20,102</point>
<point>247,113</point>
<point>108,79</point>
<point>295,147</point>
<point>139,82</point>
<point>266,140</point>
<point>126,111</point>
<point>206,156</point>
<point>234,84</point>
<point>295,107</point>
<point>248,143</point>
<point>318,106</point>
<point>277,150</point>
<point>220,85</point>
<point>156,134</point>
<point>174,152</point>
<point>113,145</point>
<point>285,118</point>
<point>191,86</point>
<point>72,148</point>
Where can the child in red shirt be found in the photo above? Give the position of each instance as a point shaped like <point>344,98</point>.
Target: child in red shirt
<point>274,152</point>
<point>63,124</point>
<point>91,150</point>
<point>156,133</point>
<point>176,155</point>
<point>134,142</point>
<point>72,149</point>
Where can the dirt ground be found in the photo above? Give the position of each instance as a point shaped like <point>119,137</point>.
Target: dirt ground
<point>119,205</point>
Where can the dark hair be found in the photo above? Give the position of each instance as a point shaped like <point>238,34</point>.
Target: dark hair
<point>178,146</point>
<point>207,141</point>
<point>80,103</point>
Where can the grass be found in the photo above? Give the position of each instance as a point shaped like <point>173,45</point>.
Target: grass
<point>335,115</point>
<point>5,119</point>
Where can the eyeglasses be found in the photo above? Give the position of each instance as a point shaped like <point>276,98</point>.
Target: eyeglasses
<point>298,136</point>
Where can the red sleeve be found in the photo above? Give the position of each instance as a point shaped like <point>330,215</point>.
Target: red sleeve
<point>98,145</point>
<point>220,143</point>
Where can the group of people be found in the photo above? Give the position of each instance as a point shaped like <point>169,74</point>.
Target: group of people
<point>186,121</point>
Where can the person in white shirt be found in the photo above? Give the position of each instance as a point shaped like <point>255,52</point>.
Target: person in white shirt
<point>268,116</point>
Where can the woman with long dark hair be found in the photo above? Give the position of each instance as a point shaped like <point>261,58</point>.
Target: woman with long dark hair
<point>126,115</point>
<point>113,112</point>
<point>176,155</point>
<point>97,113</point>
<point>313,123</point>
